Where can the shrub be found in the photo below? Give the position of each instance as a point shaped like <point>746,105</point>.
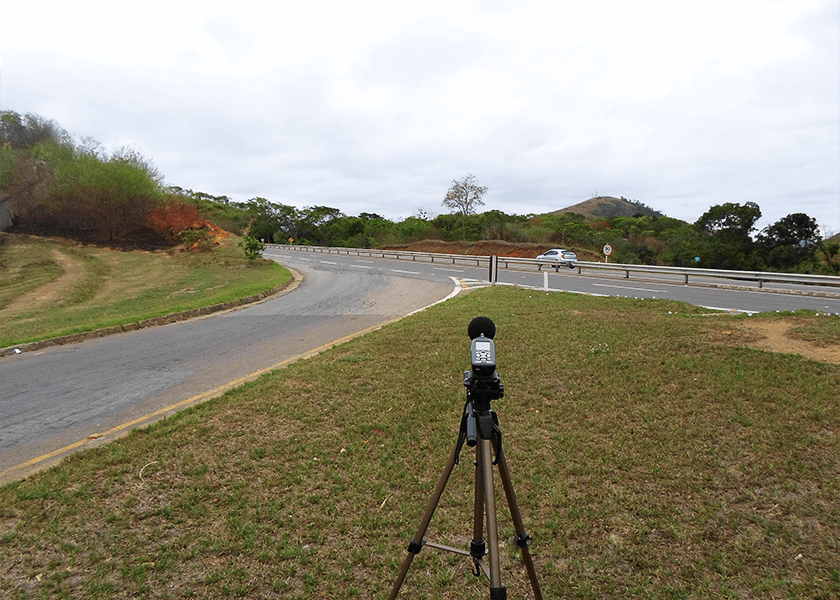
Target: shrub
<point>252,246</point>
<point>197,238</point>
<point>173,217</point>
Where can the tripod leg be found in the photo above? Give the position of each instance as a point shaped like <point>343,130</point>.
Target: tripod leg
<point>478,548</point>
<point>522,537</point>
<point>416,543</point>
<point>486,462</point>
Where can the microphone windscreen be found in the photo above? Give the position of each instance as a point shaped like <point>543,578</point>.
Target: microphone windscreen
<point>481,325</point>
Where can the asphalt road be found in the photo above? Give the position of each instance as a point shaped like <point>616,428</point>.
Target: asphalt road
<point>67,397</point>
<point>735,296</point>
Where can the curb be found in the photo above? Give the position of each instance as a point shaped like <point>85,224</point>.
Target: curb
<point>186,315</point>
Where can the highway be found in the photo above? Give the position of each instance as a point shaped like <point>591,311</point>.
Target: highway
<point>732,296</point>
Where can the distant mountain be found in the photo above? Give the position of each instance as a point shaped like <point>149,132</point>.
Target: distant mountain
<point>607,207</point>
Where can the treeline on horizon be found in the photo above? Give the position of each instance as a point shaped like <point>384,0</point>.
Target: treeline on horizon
<point>77,190</point>
<point>723,238</point>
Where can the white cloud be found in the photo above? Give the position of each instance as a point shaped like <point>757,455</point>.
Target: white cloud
<point>376,106</point>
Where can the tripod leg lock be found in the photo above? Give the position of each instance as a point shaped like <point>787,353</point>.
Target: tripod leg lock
<point>523,540</point>
<point>478,549</point>
<point>416,547</point>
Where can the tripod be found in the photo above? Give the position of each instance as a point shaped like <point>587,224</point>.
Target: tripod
<point>479,428</point>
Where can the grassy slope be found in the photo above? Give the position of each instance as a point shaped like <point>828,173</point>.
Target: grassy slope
<point>654,456</point>
<point>50,288</point>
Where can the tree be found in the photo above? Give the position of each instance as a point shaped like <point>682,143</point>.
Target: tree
<point>263,218</point>
<point>311,224</point>
<point>465,196</point>
<point>831,251</point>
<point>370,217</point>
<point>23,132</point>
<point>729,227</point>
<point>790,240</point>
<point>413,229</point>
<point>797,229</point>
<point>422,214</point>
<point>730,219</point>
<point>289,219</point>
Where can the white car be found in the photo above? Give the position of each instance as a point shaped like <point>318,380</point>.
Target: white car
<point>561,256</point>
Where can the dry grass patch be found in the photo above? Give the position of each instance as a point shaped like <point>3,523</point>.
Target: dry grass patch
<point>806,336</point>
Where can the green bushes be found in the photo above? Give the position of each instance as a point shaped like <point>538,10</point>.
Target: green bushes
<point>8,158</point>
<point>252,247</point>
<point>76,190</point>
<point>102,197</point>
<point>199,238</point>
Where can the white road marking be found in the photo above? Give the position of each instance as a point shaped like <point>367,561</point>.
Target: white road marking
<point>623,287</point>
<point>742,310</point>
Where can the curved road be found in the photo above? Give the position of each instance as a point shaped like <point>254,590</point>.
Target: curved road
<point>62,398</point>
<point>56,400</point>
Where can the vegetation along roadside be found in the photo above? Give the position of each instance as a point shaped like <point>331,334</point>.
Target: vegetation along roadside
<point>52,184</point>
<point>656,453</point>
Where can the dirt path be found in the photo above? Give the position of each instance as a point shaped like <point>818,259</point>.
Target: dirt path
<point>773,336</point>
<point>54,291</point>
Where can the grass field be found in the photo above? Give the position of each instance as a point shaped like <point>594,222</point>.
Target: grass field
<point>655,454</point>
<point>50,288</point>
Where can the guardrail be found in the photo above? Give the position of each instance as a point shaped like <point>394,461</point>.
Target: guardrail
<point>510,262</point>
<point>398,254</point>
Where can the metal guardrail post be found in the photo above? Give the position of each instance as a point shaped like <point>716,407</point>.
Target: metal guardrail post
<point>494,269</point>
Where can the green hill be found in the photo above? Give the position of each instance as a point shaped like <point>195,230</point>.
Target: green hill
<point>608,207</point>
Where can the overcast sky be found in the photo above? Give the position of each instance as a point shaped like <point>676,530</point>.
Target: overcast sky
<point>371,106</point>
